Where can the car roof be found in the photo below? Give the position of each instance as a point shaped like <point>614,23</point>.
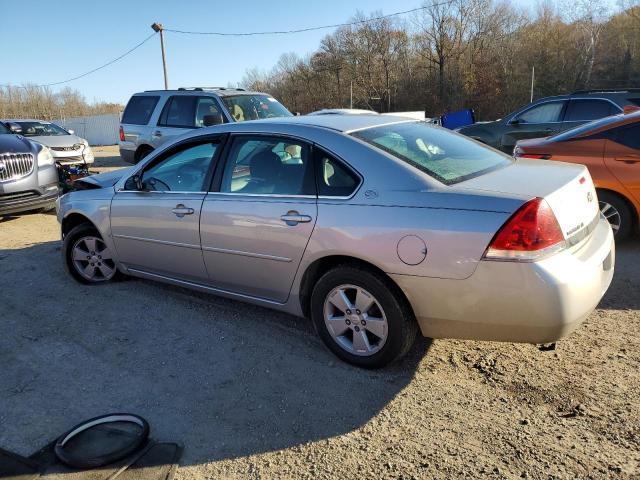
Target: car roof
<point>24,120</point>
<point>337,122</point>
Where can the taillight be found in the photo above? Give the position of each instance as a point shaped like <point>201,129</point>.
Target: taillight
<point>519,153</point>
<point>531,233</point>
<point>121,134</point>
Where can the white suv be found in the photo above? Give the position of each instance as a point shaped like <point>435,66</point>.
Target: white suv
<point>153,117</point>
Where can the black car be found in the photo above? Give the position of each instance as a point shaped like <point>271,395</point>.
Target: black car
<point>551,115</point>
<point>28,175</point>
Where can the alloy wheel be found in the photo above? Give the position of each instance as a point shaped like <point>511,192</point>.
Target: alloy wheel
<point>93,260</point>
<point>355,320</point>
<point>612,214</point>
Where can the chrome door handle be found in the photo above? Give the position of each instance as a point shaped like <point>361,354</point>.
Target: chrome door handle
<point>157,133</point>
<point>293,218</point>
<point>180,211</point>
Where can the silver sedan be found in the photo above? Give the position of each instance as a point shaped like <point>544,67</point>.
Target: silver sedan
<point>374,227</point>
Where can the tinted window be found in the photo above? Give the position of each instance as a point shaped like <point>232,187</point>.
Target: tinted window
<point>206,106</point>
<point>583,110</point>
<point>139,109</point>
<point>544,113</point>
<point>182,171</point>
<point>268,166</point>
<point>446,156</point>
<point>333,178</point>
<point>179,112</point>
<point>629,136</point>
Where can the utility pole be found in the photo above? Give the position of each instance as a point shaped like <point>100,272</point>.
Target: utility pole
<point>351,95</point>
<point>157,27</point>
<point>533,77</point>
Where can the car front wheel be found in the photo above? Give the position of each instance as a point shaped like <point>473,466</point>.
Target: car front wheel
<point>87,258</point>
<point>362,317</point>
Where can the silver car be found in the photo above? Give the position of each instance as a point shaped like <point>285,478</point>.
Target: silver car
<point>373,226</point>
<point>66,147</point>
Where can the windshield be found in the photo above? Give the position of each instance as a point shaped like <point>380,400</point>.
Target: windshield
<point>446,156</point>
<point>34,129</point>
<point>3,129</point>
<point>254,107</point>
<point>587,127</point>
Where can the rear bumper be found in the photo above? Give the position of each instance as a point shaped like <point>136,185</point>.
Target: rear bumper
<point>536,302</point>
<point>127,155</point>
<point>28,200</point>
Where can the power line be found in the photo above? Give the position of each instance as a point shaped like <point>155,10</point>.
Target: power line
<point>90,71</point>
<point>309,29</point>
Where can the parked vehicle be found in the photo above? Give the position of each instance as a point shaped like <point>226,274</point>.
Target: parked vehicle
<point>373,227</point>
<point>154,117</point>
<point>28,176</point>
<point>66,147</point>
<point>610,148</point>
<point>551,115</point>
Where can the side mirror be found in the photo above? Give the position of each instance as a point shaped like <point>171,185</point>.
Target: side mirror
<point>14,128</point>
<point>514,121</point>
<point>137,181</point>
<point>71,132</point>
<point>209,120</point>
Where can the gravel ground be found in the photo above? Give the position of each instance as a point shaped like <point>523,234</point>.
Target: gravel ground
<point>253,394</point>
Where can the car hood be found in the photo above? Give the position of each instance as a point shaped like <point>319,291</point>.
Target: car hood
<point>15,144</point>
<point>57,140</point>
<point>106,180</point>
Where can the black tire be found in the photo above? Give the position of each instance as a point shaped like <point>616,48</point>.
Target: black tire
<point>402,326</point>
<point>141,153</point>
<point>74,461</point>
<point>623,212</point>
<point>68,244</point>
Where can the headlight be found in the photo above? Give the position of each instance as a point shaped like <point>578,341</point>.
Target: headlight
<point>45,157</point>
<point>87,153</point>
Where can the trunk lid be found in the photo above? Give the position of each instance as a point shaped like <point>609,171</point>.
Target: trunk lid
<point>567,188</point>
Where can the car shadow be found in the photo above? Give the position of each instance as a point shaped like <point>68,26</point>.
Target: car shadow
<point>623,292</point>
<point>222,378</point>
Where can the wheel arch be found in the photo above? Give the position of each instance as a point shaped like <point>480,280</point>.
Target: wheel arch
<point>320,266</point>
<point>74,219</point>
<point>144,147</point>
<point>632,207</point>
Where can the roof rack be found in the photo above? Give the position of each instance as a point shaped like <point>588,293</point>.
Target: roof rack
<point>606,90</point>
<point>202,89</point>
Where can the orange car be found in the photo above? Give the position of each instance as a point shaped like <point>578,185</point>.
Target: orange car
<point>610,148</point>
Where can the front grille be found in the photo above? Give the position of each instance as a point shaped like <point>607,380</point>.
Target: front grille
<point>15,165</point>
<point>72,148</point>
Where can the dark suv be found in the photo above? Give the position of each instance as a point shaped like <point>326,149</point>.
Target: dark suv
<point>551,115</point>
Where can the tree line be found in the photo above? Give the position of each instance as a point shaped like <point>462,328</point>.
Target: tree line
<point>31,101</point>
<point>462,54</point>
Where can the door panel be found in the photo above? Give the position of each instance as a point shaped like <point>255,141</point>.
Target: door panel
<point>248,248</point>
<point>150,236</point>
<point>622,158</point>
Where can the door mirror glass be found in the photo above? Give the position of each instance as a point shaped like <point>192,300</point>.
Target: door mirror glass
<point>14,128</point>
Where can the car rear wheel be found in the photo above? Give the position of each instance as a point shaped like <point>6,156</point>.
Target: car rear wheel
<point>362,317</point>
<point>617,212</point>
<point>87,258</point>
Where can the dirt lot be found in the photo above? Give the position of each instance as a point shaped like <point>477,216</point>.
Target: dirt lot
<point>253,394</point>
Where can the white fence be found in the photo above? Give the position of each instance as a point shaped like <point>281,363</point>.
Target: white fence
<point>96,129</point>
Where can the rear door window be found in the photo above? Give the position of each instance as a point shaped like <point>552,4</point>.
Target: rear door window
<point>179,112</point>
<point>549,112</point>
<point>585,110</point>
<point>139,109</point>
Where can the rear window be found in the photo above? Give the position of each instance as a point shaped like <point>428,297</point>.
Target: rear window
<point>139,109</point>
<point>444,155</point>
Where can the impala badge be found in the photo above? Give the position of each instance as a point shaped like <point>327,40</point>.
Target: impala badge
<point>589,197</point>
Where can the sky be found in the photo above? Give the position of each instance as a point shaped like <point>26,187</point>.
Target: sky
<point>54,41</point>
